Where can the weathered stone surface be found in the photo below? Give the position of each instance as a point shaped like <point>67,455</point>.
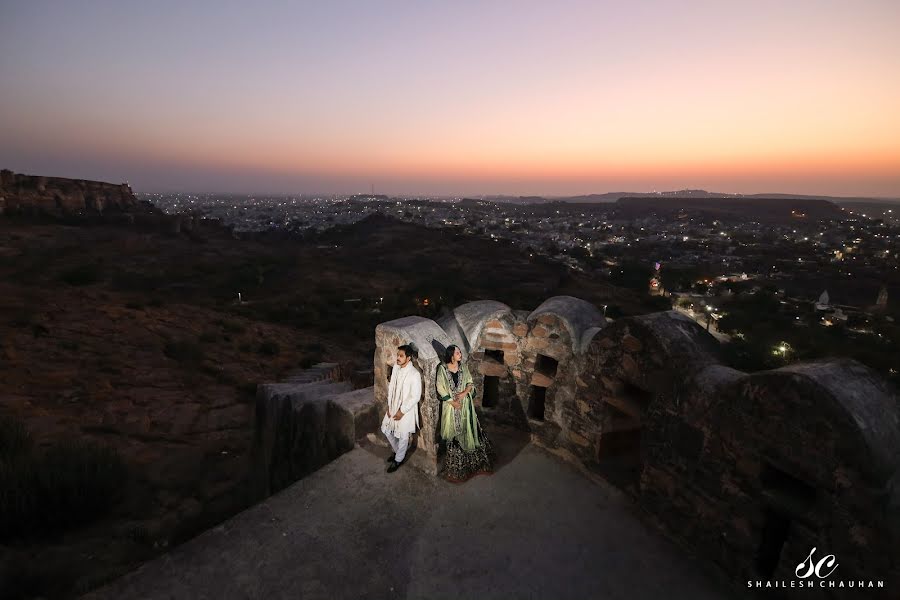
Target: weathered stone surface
<point>377,439</point>
<point>493,369</point>
<point>280,549</point>
<point>541,380</point>
<point>606,343</point>
<point>360,410</point>
<point>707,450</point>
<point>613,386</point>
<point>579,439</point>
<point>490,345</point>
<point>465,324</point>
<point>627,405</point>
<point>631,343</point>
<point>576,315</point>
<point>498,339</point>
<point>297,431</point>
<point>630,367</point>
<point>538,344</point>
<point>58,195</point>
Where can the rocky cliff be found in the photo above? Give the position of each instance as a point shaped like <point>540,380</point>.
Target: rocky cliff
<point>58,195</point>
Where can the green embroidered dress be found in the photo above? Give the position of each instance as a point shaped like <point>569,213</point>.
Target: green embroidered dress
<point>469,451</point>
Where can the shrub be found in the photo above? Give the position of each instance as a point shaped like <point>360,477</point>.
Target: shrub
<point>211,368</point>
<point>72,483</point>
<point>81,275</point>
<point>312,347</point>
<point>660,303</point>
<point>78,482</point>
<point>14,439</point>
<point>184,351</point>
<point>269,348</point>
<point>247,388</point>
<point>134,281</point>
<point>208,337</point>
<point>231,326</point>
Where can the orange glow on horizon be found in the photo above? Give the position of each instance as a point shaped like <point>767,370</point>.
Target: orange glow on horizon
<point>744,97</point>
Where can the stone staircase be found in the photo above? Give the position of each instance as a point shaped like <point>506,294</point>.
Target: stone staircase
<point>305,422</point>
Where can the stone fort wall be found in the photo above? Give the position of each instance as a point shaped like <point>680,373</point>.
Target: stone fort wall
<point>59,195</point>
<point>84,202</point>
<point>748,469</point>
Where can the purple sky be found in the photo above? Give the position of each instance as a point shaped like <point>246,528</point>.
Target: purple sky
<point>487,97</point>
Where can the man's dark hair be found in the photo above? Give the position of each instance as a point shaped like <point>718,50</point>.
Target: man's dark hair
<point>448,354</point>
<point>407,350</point>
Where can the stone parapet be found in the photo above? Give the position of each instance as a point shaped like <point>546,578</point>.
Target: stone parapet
<point>751,470</point>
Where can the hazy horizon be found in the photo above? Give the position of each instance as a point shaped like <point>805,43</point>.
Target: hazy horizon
<point>76,173</point>
<point>461,99</point>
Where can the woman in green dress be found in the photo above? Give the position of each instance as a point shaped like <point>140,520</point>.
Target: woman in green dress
<point>469,451</point>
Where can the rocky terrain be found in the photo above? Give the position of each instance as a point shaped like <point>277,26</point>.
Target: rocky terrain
<point>168,384</point>
<point>134,339</point>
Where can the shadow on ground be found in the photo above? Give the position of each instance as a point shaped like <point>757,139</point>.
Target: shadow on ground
<point>536,528</point>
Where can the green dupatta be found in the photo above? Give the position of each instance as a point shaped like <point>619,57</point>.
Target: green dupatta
<point>468,437</point>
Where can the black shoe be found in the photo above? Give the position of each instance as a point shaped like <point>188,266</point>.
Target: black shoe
<point>393,466</point>
<point>391,458</point>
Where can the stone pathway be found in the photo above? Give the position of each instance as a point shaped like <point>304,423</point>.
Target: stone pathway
<point>535,529</point>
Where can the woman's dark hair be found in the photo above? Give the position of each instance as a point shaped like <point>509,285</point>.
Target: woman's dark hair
<point>448,354</point>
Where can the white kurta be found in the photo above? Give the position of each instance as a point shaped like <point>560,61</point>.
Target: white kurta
<point>404,392</point>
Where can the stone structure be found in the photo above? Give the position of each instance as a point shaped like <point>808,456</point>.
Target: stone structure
<point>303,423</point>
<point>522,363</point>
<point>81,202</point>
<point>750,470</point>
<point>59,195</point>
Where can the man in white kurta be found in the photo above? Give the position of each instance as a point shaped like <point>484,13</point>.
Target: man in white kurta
<point>402,416</point>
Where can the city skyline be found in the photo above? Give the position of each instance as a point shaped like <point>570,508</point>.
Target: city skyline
<point>462,99</point>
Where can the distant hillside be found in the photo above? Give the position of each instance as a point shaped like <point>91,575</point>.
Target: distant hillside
<point>886,210</point>
<point>615,196</point>
<point>836,199</point>
<point>487,201</point>
<point>737,208</point>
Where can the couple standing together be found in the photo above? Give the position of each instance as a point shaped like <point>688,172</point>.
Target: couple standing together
<point>469,451</point>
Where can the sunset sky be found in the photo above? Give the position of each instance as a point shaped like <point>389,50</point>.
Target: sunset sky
<point>426,97</point>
